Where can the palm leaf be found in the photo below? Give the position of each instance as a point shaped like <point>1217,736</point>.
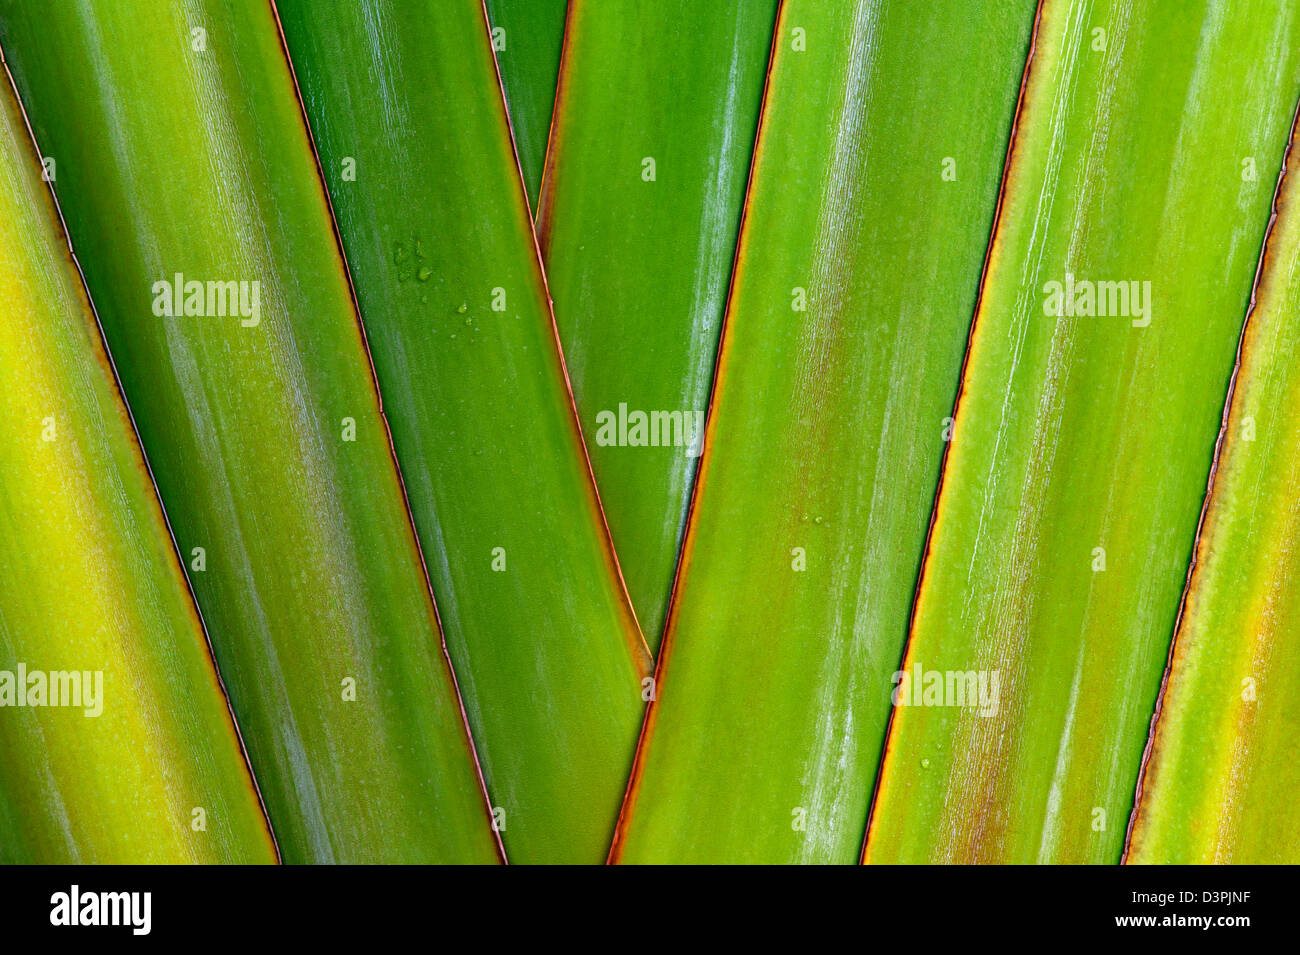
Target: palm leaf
<point>855,281</point>
<point>1082,441</point>
<point>641,204</point>
<point>146,766</point>
<point>180,149</point>
<point>447,274</point>
<point>1221,776</point>
<point>527,36</point>
<point>934,362</point>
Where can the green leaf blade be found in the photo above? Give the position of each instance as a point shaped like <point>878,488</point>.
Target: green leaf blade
<point>528,36</point>
<point>1220,782</point>
<point>450,285</point>
<point>639,268</point>
<point>91,584</point>
<point>827,429</point>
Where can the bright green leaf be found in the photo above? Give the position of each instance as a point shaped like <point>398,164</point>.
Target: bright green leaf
<point>653,133</point>
<point>440,242</point>
<point>1220,785</point>
<point>181,151</point>
<point>140,761</point>
<point>1099,361</point>
<point>856,280</point>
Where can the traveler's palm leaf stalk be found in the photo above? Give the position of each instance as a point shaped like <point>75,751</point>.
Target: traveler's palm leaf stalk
<point>1221,781</point>
<point>527,36</point>
<point>984,409</point>
<point>450,285</point>
<point>115,738</point>
<point>181,156</point>
<point>1118,280</point>
<point>645,179</point>
<point>855,283</point>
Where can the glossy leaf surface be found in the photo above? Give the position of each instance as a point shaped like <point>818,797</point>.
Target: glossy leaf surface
<point>654,130</point>
<point>181,150</point>
<point>1084,434</point>
<point>115,736</point>
<point>447,273</point>
<point>1221,781</point>
<point>856,277</point>
<point>527,36</point>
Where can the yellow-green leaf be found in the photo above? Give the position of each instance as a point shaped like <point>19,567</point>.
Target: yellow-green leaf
<point>1118,280</point>
<point>1221,778</point>
<point>181,151</point>
<point>115,736</point>
<point>859,261</point>
<point>447,274</point>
